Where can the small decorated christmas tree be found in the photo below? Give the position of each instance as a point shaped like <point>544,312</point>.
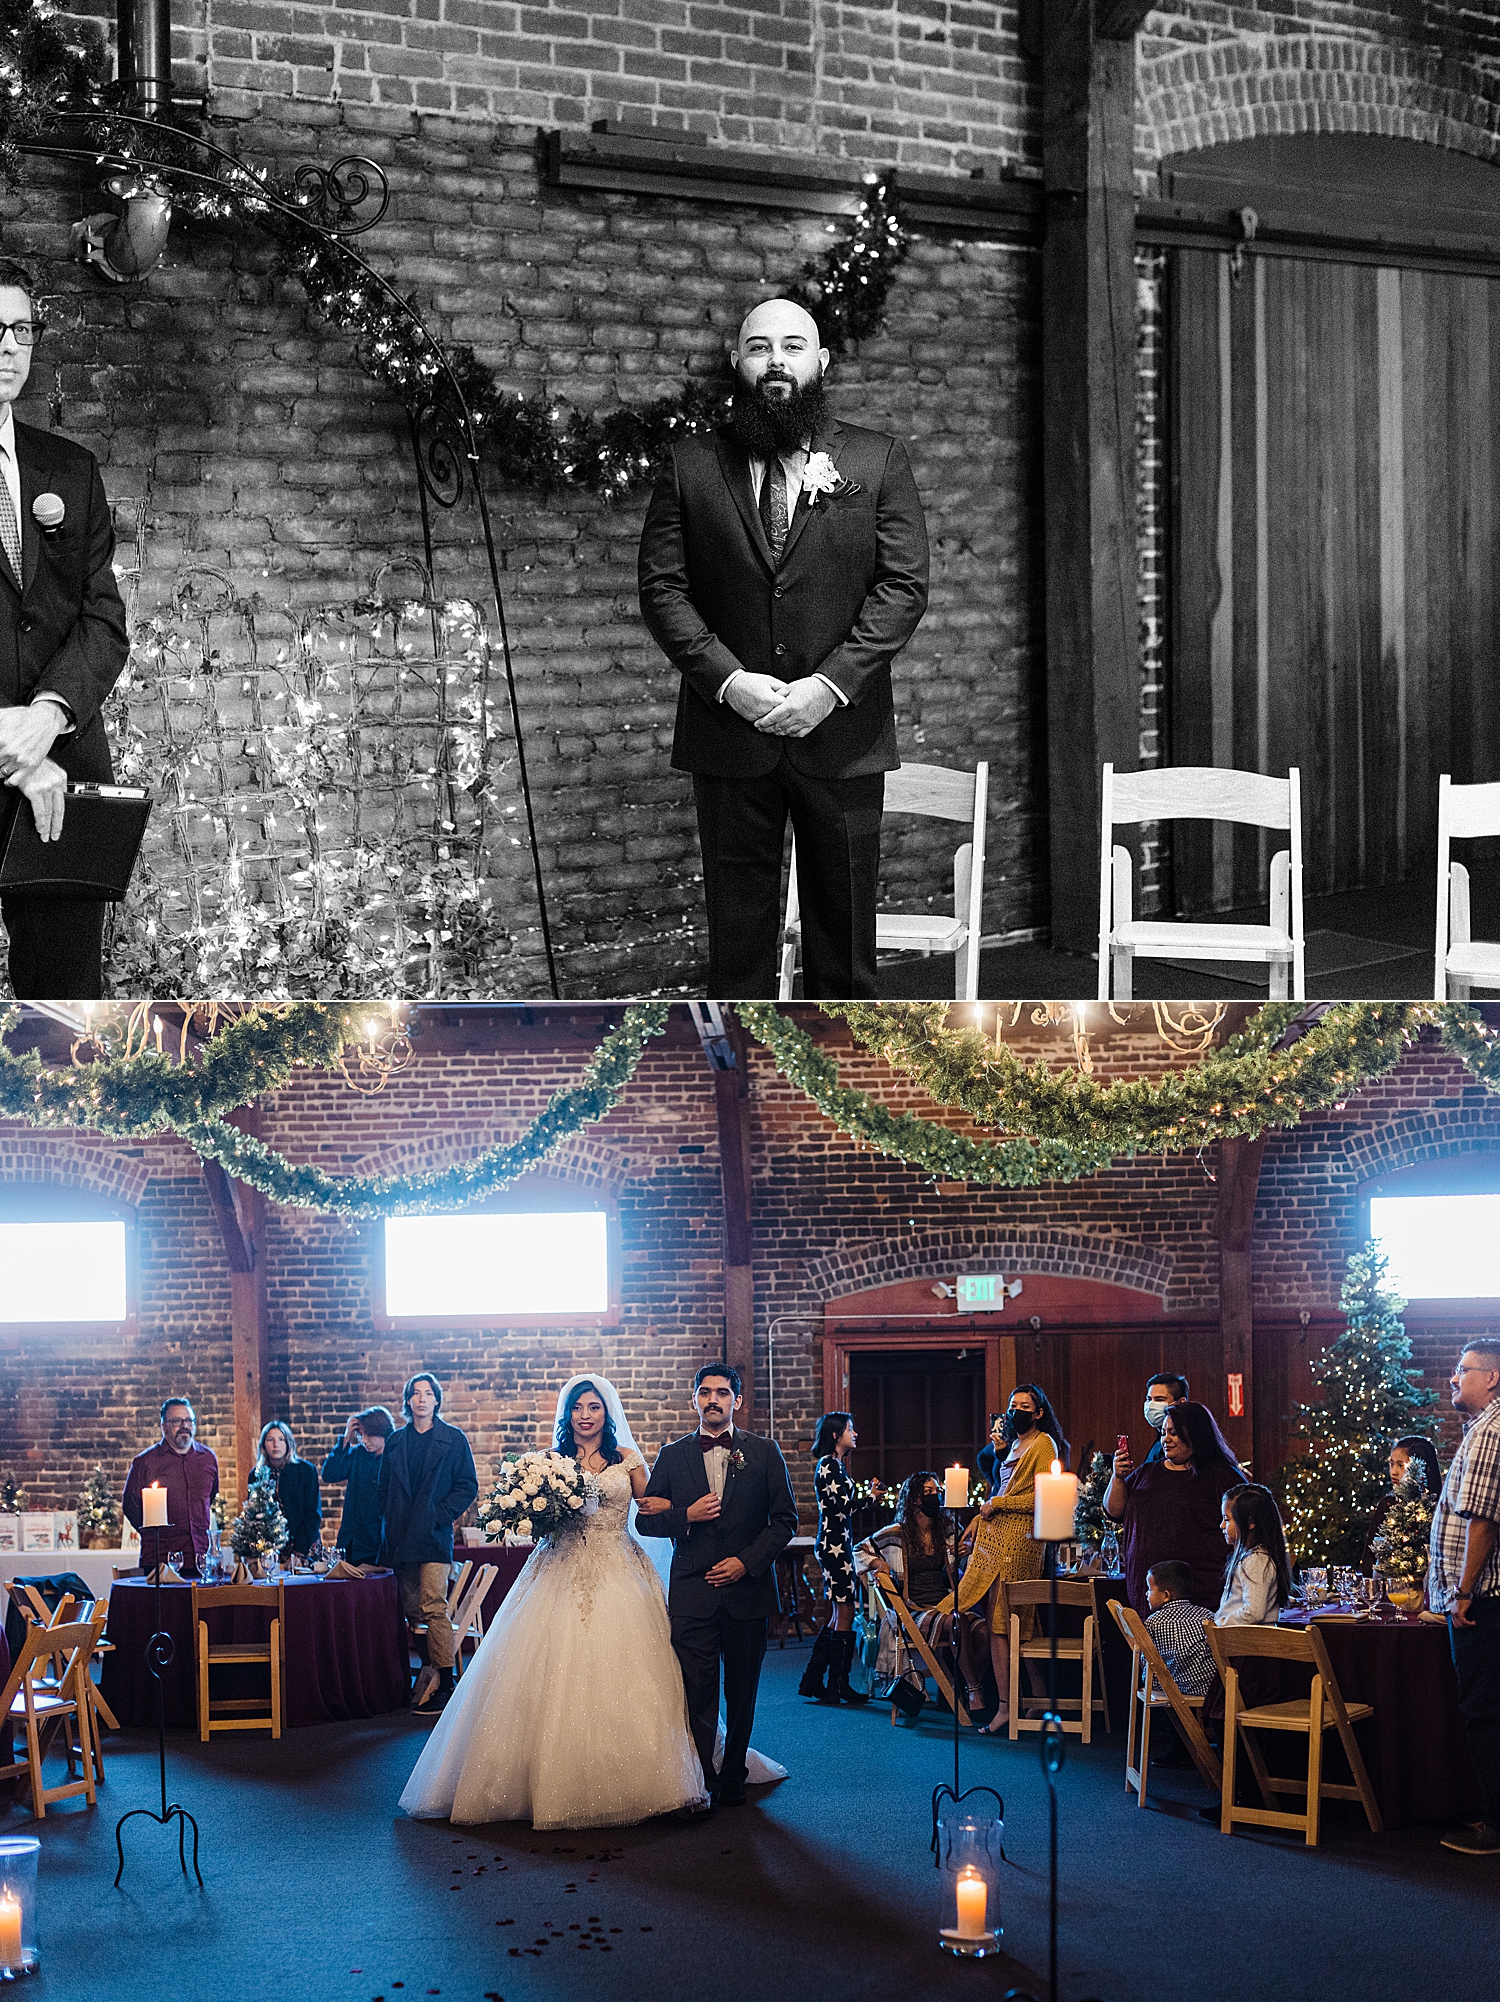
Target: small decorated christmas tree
<point>1089,1520</point>
<point>98,1510</point>
<point>1371,1395</point>
<point>260,1527</point>
<point>12,1495</point>
<point>1401,1543</point>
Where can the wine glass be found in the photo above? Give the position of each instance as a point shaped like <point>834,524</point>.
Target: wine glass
<point>174,1561</point>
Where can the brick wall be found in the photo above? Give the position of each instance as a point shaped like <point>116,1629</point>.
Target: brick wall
<point>830,1220</point>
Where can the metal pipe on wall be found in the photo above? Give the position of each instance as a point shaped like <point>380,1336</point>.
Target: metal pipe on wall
<point>144,29</point>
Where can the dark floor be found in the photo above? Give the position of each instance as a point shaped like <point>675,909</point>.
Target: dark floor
<point>822,1888</point>
<point>1363,945</point>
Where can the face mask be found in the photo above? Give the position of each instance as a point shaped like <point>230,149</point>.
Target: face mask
<point>931,1505</point>
<point>1018,1423</point>
<point>1156,1413</point>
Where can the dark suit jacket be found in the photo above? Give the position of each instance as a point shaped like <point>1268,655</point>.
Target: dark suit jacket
<point>364,1499</point>
<point>419,1526</point>
<point>62,623</point>
<point>756,1521</point>
<point>302,1505</point>
<point>847,595</point>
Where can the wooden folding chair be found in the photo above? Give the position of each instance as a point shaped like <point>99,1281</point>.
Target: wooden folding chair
<point>455,1594</point>
<point>242,1713</point>
<point>891,1601</point>
<point>1101,1600</point>
<point>1312,1716</point>
<point>1153,1687</point>
<point>468,1617</point>
<point>1083,1649</point>
<point>99,1614</point>
<point>37,1698</point>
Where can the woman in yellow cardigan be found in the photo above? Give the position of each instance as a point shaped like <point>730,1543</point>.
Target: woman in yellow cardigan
<point>1002,1549</point>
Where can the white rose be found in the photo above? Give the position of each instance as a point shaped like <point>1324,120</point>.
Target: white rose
<point>575,1501</point>
<point>523,1528</point>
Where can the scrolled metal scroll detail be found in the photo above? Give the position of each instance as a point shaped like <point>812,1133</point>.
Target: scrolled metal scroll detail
<point>334,196</point>
<point>443,449</point>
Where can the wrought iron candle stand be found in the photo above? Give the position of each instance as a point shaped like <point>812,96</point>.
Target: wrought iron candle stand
<point>956,1795</point>
<point>161,1652</point>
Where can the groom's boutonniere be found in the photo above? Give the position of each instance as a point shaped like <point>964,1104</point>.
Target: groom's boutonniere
<point>821,476</point>
<point>737,1460</point>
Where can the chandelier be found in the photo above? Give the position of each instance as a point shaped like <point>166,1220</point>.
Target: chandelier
<point>1185,1028</point>
<point>112,1032</point>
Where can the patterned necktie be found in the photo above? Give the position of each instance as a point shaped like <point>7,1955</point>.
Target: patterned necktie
<point>10,528</point>
<point>773,518</point>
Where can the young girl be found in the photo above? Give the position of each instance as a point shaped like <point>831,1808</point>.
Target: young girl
<point>1257,1578</point>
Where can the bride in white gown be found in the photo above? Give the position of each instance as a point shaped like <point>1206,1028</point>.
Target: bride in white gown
<point>572,1713</point>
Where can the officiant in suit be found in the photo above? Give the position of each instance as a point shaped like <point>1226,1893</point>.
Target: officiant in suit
<point>783,566</point>
<point>730,1516</point>
<point>62,649</point>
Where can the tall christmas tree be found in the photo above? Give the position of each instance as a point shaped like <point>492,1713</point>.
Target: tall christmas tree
<point>1371,1395</point>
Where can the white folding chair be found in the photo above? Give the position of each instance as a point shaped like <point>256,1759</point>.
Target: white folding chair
<point>1200,792</point>
<point>468,1616</point>
<point>1464,814</point>
<point>940,793</point>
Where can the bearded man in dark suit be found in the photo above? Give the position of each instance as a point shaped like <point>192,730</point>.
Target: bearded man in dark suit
<point>62,649</point>
<point>783,566</point>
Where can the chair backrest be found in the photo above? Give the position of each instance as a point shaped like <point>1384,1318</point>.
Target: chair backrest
<point>1038,1592</point>
<point>473,1598</point>
<point>1279,1643</point>
<point>937,790</point>
<point>210,1598</point>
<point>1135,1630</point>
<point>45,1644</point>
<point>456,1589</point>
<point>1467,812</point>
<point>1199,792</point>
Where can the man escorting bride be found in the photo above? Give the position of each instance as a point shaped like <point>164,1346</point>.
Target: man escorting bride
<point>572,1713</point>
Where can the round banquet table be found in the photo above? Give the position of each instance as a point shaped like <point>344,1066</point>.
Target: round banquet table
<point>344,1644</point>
<point>1414,1747</point>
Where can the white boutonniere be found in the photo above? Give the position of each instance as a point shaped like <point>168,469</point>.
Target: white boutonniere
<point>821,476</point>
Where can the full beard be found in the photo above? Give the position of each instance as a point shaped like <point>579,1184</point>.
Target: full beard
<point>767,426</point>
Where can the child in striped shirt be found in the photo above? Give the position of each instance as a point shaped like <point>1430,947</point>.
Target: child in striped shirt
<point>1175,1624</point>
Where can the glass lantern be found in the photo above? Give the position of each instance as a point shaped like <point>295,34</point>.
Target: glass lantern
<point>18,1948</point>
<point>969,1838</point>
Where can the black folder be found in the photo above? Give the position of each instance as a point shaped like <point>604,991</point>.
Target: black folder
<point>91,860</point>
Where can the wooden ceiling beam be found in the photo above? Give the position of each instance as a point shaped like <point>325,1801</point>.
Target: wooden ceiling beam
<point>1120,20</point>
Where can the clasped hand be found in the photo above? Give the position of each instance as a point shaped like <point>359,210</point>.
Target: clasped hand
<point>780,708</point>
<point>27,734</point>
<point>46,786</point>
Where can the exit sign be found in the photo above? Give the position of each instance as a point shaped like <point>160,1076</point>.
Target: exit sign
<point>985,1292</point>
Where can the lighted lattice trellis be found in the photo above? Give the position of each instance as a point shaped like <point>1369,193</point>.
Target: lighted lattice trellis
<point>335,806</point>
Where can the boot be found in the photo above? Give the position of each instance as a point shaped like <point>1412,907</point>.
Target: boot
<point>812,1683</point>
<point>840,1675</point>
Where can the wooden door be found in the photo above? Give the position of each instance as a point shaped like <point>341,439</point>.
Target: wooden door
<point>1335,566</point>
<point>1096,1378</point>
<point>915,1408</point>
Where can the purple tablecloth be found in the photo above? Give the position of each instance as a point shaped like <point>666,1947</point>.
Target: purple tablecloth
<point>1414,1747</point>
<point>345,1648</point>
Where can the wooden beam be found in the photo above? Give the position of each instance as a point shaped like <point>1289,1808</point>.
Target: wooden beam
<point>247,1310</point>
<point>731,1105</point>
<point>1088,444</point>
<point>227,1214</point>
<point>1121,20</point>
<point>1239,1184</point>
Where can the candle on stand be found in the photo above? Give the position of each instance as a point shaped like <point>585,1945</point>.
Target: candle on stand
<point>154,1506</point>
<point>1056,1502</point>
<point>10,1932</point>
<point>955,1487</point>
<point>973,1899</point>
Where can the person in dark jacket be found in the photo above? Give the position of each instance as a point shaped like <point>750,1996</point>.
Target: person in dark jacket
<point>429,1483</point>
<point>358,1462</point>
<point>296,1483</point>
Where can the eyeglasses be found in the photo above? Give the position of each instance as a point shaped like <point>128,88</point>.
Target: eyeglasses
<point>25,333</point>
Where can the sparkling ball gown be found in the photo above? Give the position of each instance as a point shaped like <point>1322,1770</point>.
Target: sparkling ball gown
<point>572,1713</point>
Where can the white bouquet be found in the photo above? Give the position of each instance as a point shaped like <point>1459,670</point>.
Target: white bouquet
<point>537,1494</point>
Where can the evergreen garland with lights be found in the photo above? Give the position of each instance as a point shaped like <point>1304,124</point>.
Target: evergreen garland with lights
<point>1371,1395</point>
<point>1402,1543</point>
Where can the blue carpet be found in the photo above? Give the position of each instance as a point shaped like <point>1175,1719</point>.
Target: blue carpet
<point>823,1887</point>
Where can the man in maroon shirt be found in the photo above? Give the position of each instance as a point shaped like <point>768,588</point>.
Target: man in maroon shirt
<point>189,1473</point>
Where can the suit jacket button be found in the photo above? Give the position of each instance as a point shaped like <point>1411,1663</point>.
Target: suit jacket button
<point>777,592</point>
<point>780,651</point>
<point>28,625</point>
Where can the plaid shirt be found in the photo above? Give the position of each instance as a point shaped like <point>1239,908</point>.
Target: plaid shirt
<point>1471,1489</point>
<point>1177,1630</point>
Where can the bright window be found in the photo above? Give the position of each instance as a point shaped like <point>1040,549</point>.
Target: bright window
<point>1440,1247</point>
<point>502,1267</point>
<point>62,1272</point>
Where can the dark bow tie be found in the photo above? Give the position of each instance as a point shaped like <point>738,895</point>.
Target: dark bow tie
<point>725,1439</point>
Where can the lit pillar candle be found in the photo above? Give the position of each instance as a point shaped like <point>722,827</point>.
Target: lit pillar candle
<point>1056,1500</point>
<point>955,1487</point>
<point>154,1506</point>
<point>10,1932</point>
<point>973,1900</point>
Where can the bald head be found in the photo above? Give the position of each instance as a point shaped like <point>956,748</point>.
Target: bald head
<point>778,316</point>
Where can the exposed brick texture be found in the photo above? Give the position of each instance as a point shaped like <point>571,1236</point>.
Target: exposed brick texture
<point>830,1220</point>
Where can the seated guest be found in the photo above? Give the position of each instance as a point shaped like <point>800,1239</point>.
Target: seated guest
<point>359,1461</point>
<point>1398,1462</point>
<point>1176,1625</point>
<point>913,1553</point>
<point>1171,1507</point>
<point>1162,1392</point>
<point>189,1473</point>
<point>296,1484</point>
<point>1257,1578</point>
